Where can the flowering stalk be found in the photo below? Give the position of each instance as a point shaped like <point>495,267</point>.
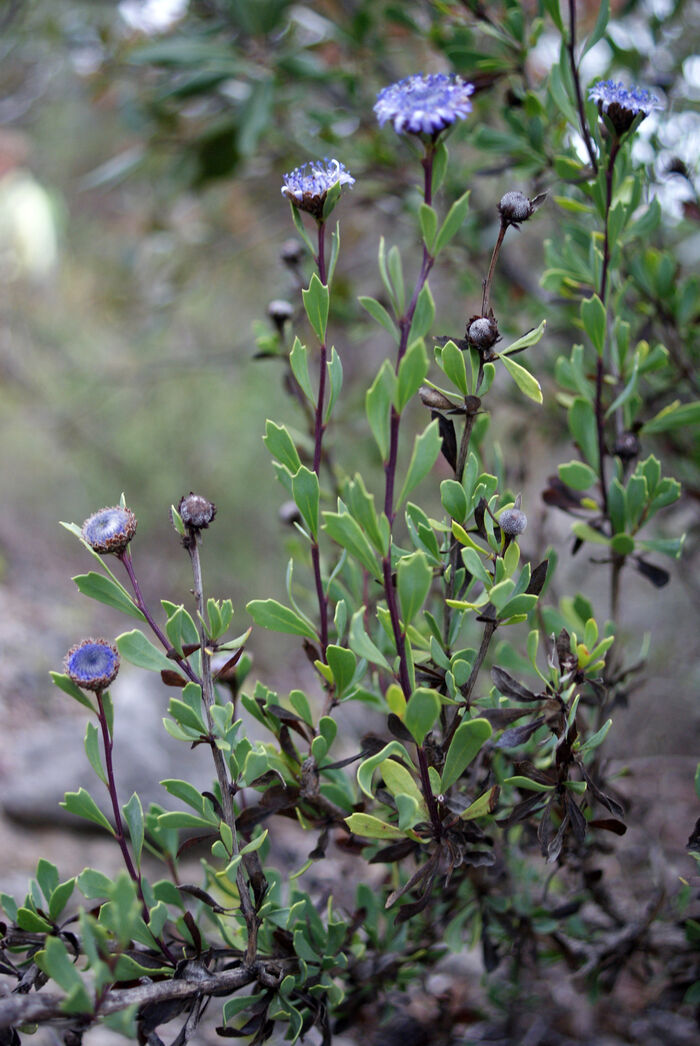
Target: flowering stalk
<point>571,48</point>
<point>319,429</point>
<point>208,699</point>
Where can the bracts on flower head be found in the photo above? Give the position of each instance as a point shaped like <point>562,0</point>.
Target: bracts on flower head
<point>482,333</point>
<point>622,105</point>
<point>196,513</point>
<point>109,530</point>
<point>92,664</point>
<point>308,186</point>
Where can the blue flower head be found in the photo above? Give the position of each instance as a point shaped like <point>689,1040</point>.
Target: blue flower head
<point>424,104</point>
<point>110,529</point>
<point>622,104</point>
<point>307,186</point>
<point>92,664</point>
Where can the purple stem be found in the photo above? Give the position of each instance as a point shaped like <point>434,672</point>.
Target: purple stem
<point>571,48</point>
<point>600,367</point>
<point>390,479</point>
<point>112,789</point>
<point>319,429</point>
<point>125,558</point>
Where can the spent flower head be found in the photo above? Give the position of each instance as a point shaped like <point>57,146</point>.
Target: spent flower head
<point>307,186</point>
<point>92,664</point>
<point>424,104</point>
<point>110,529</point>
<point>622,104</point>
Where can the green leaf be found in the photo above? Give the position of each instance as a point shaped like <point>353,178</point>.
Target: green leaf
<point>412,371</point>
<point>335,381</point>
<point>133,812</point>
<point>379,313</point>
<point>454,499</point>
<point>104,590</point>
<point>66,684</point>
<point>594,319</point>
<point>598,29</point>
<point>531,338</point>
<point>60,897</point>
<point>428,225</point>
<point>582,425</point>
<point>426,450</point>
<point>83,805</point>
<point>372,828</point>
<point>361,506</point>
<point>93,884</point>
<point>55,962</point>
<point>422,710</point>
<point>526,382</point>
<point>400,781</point>
<point>674,416</point>
<point>367,767</point>
<point>342,663</point>
<point>577,475</point>
<point>28,920</point>
<point>183,819</point>
<point>92,750</point>
<point>361,643</point>
<point>316,302</point>
<point>180,628</point>
<point>306,494</point>
<point>344,530</point>
<point>451,359</point>
<point>138,650</point>
<point>452,223</point>
<point>299,362</point>
<point>424,314</point>
<point>586,533</point>
<point>268,613</point>
<point>396,273</point>
<point>468,740</point>
<point>483,806</point>
<point>413,580</point>
<point>528,783</point>
<point>377,405</point>
<point>281,446</point>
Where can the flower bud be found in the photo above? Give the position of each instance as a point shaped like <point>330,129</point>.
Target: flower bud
<point>512,522</point>
<point>291,253</point>
<point>92,664</point>
<point>627,446</point>
<point>482,332</point>
<point>280,311</point>
<point>195,511</point>
<point>515,208</point>
<point>110,529</point>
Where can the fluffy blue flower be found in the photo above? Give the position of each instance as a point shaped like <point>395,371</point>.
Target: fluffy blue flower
<point>424,104</point>
<point>622,104</point>
<point>307,186</point>
<point>92,664</point>
<point>110,529</point>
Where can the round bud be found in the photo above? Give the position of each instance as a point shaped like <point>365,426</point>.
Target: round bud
<point>515,208</point>
<point>627,446</point>
<point>291,252</point>
<point>280,311</point>
<point>289,513</point>
<point>92,664</point>
<point>195,511</point>
<point>512,522</point>
<point>110,529</point>
<point>482,332</point>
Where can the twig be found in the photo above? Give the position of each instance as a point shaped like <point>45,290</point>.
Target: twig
<point>571,48</point>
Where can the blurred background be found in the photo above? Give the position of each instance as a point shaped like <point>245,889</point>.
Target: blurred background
<point>142,146</point>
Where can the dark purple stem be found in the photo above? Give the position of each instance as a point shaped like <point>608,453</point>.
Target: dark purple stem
<point>125,558</point>
<point>319,429</point>
<point>404,324</point>
<point>492,268</point>
<point>600,366</point>
<point>112,789</point>
<point>571,48</point>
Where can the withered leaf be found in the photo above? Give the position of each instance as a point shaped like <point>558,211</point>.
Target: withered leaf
<point>517,735</point>
<point>510,687</point>
<point>446,429</point>
<point>657,575</point>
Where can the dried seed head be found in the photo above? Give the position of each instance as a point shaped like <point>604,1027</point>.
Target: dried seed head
<point>482,332</point>
<point>515,208</point>
<point>110,529</point>
<point>512,522</point>
<point>92,664</point>
<point>195,511</point>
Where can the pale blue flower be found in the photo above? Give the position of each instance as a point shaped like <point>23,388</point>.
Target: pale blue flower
<point>622,104</point>
<point>424,104</point>
<point>92,664</point>
<point>307,186</point>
